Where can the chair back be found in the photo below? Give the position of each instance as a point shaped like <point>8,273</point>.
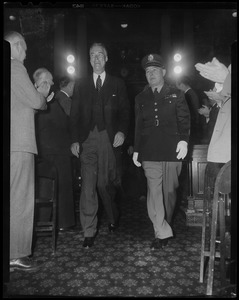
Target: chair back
<point>223,181</point>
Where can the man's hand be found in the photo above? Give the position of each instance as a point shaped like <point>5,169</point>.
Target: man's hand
<point>182,149</point>
<point>75,149</point>
<point>50,97</point>
<point>119,139</point>
<point>218,97</point>
<point>214,70</point>
<point>135,159</point>
<point>43,88</point>
<point>204,110</point>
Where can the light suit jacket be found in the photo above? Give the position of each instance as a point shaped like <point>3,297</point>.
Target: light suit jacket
<point>219,149</point>
<point>25,100</point>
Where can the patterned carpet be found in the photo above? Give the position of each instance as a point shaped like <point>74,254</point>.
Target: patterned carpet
<point>119,264</point>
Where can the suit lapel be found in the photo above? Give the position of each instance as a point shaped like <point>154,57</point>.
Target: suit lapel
<point>105,90</point>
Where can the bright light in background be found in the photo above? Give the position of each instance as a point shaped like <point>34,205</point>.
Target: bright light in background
<point>70,58</point>
<point>177,70</point>
<point>12,18</point>
<point>177,57</point>
<point>71,70</point>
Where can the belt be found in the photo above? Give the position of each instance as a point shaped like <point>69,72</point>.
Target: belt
<point>156,122</point>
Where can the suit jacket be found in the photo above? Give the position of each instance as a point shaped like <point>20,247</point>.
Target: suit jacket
<point>52,126</point>
<point>157,141</point>
<point>115,106</point>
<point>25,100</point>
<point>212,121</point>
<point>193,105</point>
<point>219,149</point>
<point>64,101</point>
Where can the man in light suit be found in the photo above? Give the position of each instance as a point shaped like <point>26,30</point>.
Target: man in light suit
<point>219,149</point>
<point>25,100</point>
<point>99,123</point>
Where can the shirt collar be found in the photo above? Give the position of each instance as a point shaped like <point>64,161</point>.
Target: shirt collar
<point>187,90</point>
<point>65,93</point>
<point>102,76</point>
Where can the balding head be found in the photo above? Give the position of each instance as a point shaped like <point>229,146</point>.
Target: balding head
<point>42,75</point>
<point>17,44</point>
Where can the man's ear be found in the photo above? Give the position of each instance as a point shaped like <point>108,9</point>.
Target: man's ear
<point>106,58</point>
<point>164,72</point>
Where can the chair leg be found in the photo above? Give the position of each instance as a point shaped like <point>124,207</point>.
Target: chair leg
<point>212,247</point>
<point>205,222</point>
<point>202,248</point>
<point>222,239</point>
<point>204,225</point>
<point>54,226</point>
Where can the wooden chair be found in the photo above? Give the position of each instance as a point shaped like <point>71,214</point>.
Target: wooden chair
<point>215,214</point>
<point>46,198</point>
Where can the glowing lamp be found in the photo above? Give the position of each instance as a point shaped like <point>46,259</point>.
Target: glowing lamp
<point>177,57</point>
<point>177,70</point>
<point>70,58</point>
<point>71,70</point>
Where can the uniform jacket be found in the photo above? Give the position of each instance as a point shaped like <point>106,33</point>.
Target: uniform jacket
<point>115,106</point>
<point>160,123</point>
<point>52,126</point>
<point>25,100</point>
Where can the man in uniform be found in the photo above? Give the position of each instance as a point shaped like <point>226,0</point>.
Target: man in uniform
<point>162,125</point>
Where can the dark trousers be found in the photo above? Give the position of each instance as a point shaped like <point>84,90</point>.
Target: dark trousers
<point>98,170</point>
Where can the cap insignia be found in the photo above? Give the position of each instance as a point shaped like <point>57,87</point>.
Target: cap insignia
<point>150,57</point>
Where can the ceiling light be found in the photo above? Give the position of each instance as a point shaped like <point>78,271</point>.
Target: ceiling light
<point>124,25</point>
<point>12,18</point>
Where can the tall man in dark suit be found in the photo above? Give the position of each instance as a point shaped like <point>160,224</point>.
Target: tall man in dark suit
<point>99,123</point>
<point>184,84</point>
<point>162,123</point>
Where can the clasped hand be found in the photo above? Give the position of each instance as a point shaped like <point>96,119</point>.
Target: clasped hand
<point>44,88</point>
<point>214,70</point>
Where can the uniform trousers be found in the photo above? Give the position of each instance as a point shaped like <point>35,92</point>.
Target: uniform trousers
<point>98,170</point>
<point>162,184</point>
<point>22,189</point>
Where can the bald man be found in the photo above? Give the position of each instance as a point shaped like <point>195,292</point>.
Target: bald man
<point>25,100</point>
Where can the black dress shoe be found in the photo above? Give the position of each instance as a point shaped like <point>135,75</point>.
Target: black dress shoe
<point>159,243</point>
<point>112,227</point>
<point>88,242</point>
<point>156,244</point>
<point>24,264</point>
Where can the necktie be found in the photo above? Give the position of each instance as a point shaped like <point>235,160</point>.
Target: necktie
<point>156,92</point>
<point>98,83</point>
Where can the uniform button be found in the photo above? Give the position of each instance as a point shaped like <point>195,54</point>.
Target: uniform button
<point>156,116</point>
<point>155,103</point>
<point>156,109</point>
